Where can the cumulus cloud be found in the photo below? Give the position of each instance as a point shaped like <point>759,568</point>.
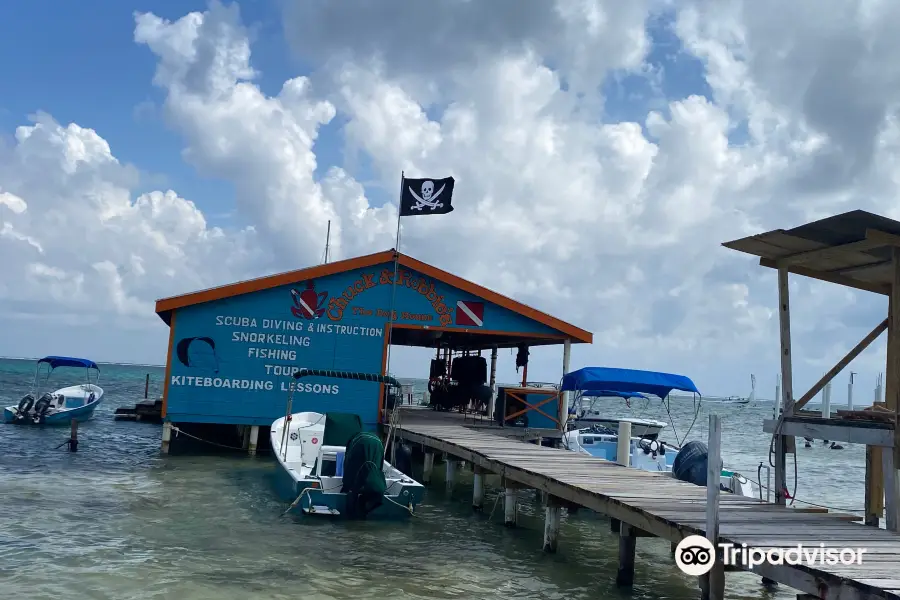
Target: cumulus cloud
<point>613,225</point>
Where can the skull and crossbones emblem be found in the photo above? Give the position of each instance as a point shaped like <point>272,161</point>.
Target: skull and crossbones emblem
<point>428,198</point>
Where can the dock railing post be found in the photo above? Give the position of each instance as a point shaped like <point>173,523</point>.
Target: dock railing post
<point>715,579</point>
<point>564,396</point>
<point>623,444</point>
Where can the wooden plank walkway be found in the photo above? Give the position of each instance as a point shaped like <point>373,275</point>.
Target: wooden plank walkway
<point>665,507</point>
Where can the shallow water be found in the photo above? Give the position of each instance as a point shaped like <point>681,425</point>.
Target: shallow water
<point>118,521</point>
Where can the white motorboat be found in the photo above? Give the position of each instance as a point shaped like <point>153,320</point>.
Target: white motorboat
<point>62,406</point>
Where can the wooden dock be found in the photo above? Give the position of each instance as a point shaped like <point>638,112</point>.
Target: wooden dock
<point>654,504</point>
<point>147,411</point>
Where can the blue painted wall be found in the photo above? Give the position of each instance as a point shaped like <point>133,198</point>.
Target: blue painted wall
<point>233,358</point>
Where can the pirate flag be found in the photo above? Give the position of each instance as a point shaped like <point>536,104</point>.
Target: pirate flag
<point>426,197</point>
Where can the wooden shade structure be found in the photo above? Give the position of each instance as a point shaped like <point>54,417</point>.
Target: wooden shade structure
<point>859,250</point>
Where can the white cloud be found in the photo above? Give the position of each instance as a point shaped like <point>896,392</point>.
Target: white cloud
<point>615,226</point>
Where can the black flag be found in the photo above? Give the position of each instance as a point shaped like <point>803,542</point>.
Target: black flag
<point>426,197</point>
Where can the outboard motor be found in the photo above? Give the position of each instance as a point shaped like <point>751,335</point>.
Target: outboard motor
<point>41,407</point>
<point>690,463</point>
<point>25,405</point>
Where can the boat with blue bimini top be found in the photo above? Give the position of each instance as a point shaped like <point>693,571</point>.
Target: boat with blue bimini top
<point>686,462</point>
<point>329,466</point>
<point>60,407</point>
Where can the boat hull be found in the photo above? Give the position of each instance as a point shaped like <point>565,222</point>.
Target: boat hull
<point>75,395</point>
<point>321,496</point>
<point>399,503</point>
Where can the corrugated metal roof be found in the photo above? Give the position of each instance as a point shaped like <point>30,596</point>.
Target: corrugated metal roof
<point>852,249</point>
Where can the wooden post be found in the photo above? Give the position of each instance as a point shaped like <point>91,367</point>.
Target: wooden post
<point>551,524</point>
<point>427,467</point>
<point>627,551</point>
<point>73,436</point>
<point>892,399</point>
<point>147,386</point>
<point>891,492</point>
<point>509,507</point>
<point>715,579</point>
<point>451,473</point>
<point>874,503</point>
<point>492,382</point>
<point>166,437</point>
<point>254,437</point>
<point>477,488</point>
<point>782,444</point>
<point>623,445</point>
<point>564,397</point>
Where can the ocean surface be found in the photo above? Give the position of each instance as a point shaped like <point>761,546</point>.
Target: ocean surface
<point>118,521</point>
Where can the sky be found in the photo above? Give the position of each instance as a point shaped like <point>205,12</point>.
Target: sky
<point>602,152</point>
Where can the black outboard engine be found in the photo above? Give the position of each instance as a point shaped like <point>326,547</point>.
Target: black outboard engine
<point>41,407</point>
<point>25,405</point>
<point>690,463</point>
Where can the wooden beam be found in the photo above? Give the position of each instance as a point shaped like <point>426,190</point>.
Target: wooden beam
<point>876,288</point>
<point>828,252</point>
<point>870,436</point>
<point>882,238</point>
<point>784,444</point>
<point>856,351</point>
<point>860,269</point>
<point>716,576</point>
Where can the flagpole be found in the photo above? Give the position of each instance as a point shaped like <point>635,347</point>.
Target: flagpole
<point>394,280</point>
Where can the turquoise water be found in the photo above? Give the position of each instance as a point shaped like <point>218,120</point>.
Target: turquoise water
<point>118,521</point>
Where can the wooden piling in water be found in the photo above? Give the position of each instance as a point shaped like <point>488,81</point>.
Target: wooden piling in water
<point>166,437</point>
<point>509,506</point>
<point>428,467</point>
<point>451,473</point>
<point>627,555</point>
<point>254,438</point>
<point>477,488</point>
<point>73,436</point>
<point>147,386</point>
<point>551,524</point>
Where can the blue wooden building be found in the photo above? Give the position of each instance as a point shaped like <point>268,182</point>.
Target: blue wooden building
<point>232,349</point>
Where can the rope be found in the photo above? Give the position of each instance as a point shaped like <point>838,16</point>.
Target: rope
<point>838,508</point>
<point>177,431</point>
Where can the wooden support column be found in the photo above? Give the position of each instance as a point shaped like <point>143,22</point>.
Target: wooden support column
<point>627,551</point>
<point>551,524</point>
<point>874,503</point>
<point>509,506</point>
<point>623,444</point>
<point>564,396</point>
<point>892,399</point>
<point>477,488</point>
<point>254,438</point>
<point>166,437</point>
<point>428,466</point>
<point>714,584</point>
<point>451,473</point>
<point>784,444</point>
<point>492,382</point>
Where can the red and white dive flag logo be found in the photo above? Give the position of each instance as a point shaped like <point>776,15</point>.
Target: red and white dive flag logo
<point>470,313</point>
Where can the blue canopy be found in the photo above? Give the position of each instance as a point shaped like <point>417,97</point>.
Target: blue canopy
<point>66,361</point>
<point>617,394</point>
<point>626,380</point>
